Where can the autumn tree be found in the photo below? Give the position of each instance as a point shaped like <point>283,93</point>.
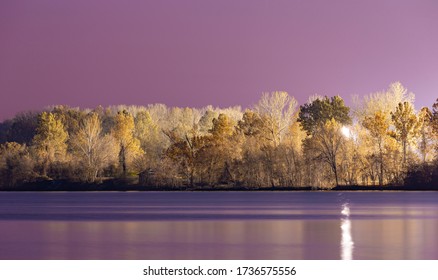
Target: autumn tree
<point>50,141</point>
<point>185,151</point>
<point>159,114</point>
<point>434,120</point>
<point>276,110</point>
<point>151,142</point>
<point>147,132</point>
<point>323,119</point>
<point>16,165</point>
<point>223,126</point>
<point>70,117</point>
<point>107,117</point>
<point>378,128</point>
<point>129,145</point>
<point>206,121</point>
<point>266,129</point>
<point>252,125</point>
<point>94,149</point>
<point>271,145</point>
<point>220,149</point>
<point>426,137</point>
<point>234,113</point>
<point>326,142</point>
<point>406,125</point>
<point>254,136</point>
<point>287,158</point>
<point>352,158</point>
<point>426,174</point>
<point>182,121</point>
<point>376,108</point>
<point>383,101</point>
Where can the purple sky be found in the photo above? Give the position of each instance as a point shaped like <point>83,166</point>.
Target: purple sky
<point>223,52</point>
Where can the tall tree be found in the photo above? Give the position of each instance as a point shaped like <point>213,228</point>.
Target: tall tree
<point>406,124</point>
<point>326,142</point>
<point>323,119</point>
<point>185,151</point>
<point>206,121</point>
<point>151,142</point>
<point>220,149</point>
<point>70,117</point>
<point>16,165</point>
<point>426,141</point>
<point>276,110</point>
<point>314,115</point>
<point>50,141</point>
<point>251,125</point>
<point>255,137</point>
<point>123,131</point>
<point>383,101</point>
<point>94,149</point>
<point>146,131</point>
<point>375,109</point>
<point>378,127</point>
<point>435,119</point>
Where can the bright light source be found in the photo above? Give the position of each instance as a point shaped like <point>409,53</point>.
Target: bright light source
<point>346,132</point>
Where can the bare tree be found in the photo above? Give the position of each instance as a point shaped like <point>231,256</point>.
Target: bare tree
<point>94,149</point>
<point>382,101</point>
<point>277,110</point>
<point>326,143</point>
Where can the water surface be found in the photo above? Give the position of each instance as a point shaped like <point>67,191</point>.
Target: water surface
<point>219,225</point>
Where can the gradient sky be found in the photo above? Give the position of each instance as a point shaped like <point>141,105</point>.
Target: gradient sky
<point>200,52</point>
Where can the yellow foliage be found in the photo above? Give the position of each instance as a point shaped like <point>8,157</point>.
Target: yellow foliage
<point>50,141</point>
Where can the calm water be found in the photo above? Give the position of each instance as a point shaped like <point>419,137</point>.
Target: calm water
<point>219,225</point>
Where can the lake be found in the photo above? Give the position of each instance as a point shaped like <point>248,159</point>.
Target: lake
<point>218,225</point>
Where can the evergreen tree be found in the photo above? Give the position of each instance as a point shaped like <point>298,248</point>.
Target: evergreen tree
<point>319,111</point>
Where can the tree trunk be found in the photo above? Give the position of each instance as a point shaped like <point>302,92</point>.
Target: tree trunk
<point>335,170</point>
<point>122,158</point>
<point>192,175</point>
<point>404,153</point>
<point>381,166</point>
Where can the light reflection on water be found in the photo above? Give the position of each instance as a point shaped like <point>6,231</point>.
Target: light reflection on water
<point>347,243</point>
<point>268,225</point>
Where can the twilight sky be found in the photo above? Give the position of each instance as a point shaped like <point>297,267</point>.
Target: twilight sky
<point>222,52</point>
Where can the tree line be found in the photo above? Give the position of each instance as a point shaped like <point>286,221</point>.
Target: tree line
<point>381,140</point>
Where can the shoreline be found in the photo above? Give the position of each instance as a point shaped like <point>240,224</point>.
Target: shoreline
<point>120,186</point>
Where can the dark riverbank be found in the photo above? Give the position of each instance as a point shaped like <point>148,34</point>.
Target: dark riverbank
<point>127,185</point>
<point>385,188</point>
